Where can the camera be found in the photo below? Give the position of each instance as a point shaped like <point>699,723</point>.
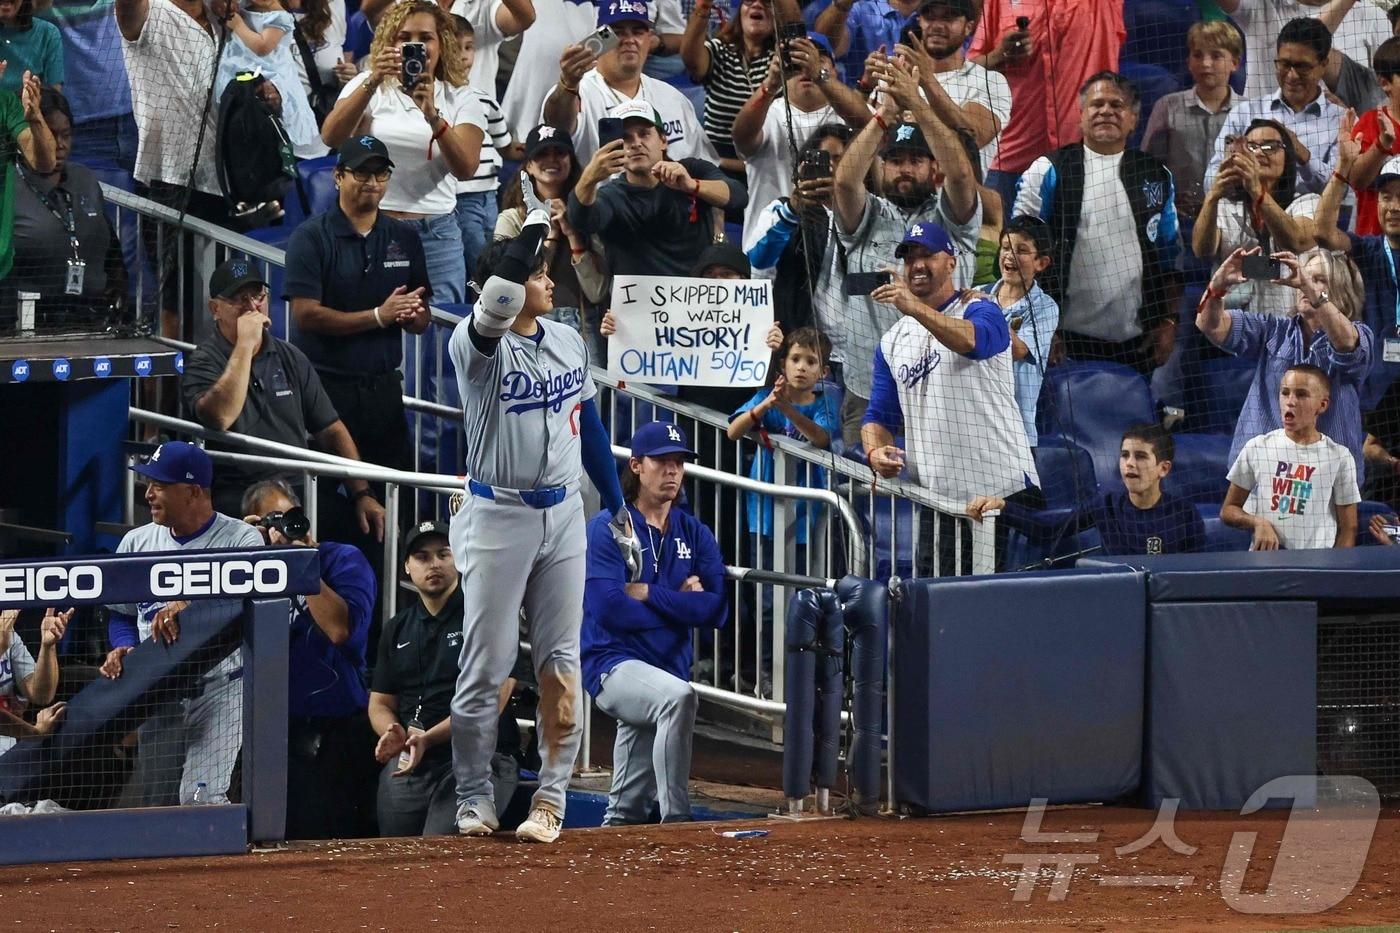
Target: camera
<point>815,163</point>
<point>601,42</point>
<point>415,62</point>
<point>1261,268</point>
<point>291,524</point>
<point>859,284</point>
<point>1023,24</point>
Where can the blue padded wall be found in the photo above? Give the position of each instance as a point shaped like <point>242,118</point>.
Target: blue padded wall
<point>1232,699</point>
<point>1029,686</point>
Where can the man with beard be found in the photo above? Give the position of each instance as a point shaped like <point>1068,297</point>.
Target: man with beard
<point>952,395</point>
<point>413,685</point>
<point>1111,209</point>
<point>926,176</point>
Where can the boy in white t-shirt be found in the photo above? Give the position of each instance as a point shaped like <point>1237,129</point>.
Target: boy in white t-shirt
<point>1295,487</point>
<point>477,205</point>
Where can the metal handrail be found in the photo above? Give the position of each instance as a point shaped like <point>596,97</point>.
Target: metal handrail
<point>220,235</point>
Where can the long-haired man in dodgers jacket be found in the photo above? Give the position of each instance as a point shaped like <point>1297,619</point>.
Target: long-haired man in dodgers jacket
<point>1112,212</point>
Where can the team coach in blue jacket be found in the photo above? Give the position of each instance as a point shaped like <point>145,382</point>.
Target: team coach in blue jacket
<point>640,604</point>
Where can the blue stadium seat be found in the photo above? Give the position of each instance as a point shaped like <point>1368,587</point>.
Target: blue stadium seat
<point>1217,391</point>
<point>1153,83</point>
<point>1090,404</point>
<point>1198,471</point>
<point>317,182</point>
<point>1220,536</point>
<point>1067,480</point>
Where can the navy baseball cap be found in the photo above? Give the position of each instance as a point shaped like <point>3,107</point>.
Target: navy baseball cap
<point>660,438</point>
<point>620,11</point>
<point>961,8</point>
<point>1390,171</point>
<point>546,136</point>
<point>358,151</point>
<point>178,462</point>
<point>724,254</point>
<point>423,530</point>
<point>232,275</point>
<point>907,137</point>
<point>928,235</point>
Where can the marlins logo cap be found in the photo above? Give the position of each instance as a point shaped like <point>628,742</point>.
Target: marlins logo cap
<point>544,137</point>
<point>231,276</point>
<point>907,137</point>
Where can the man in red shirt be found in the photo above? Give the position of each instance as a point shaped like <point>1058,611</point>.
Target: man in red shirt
<point>1064,42</point>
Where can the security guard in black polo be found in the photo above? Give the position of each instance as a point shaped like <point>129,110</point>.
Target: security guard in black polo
<point>411,696</point>
<point>356,280</point>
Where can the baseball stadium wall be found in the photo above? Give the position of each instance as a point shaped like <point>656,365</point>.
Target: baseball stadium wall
<point>1195,677</point>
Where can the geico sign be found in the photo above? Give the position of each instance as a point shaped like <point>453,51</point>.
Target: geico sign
<point>50,584</point>
<point>219,578</point>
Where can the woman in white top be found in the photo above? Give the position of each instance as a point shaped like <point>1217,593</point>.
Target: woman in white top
<point>434,134</point>
<point>1252,204</point>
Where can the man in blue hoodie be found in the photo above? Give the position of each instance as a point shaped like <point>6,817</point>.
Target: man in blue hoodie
<point>638,616</point>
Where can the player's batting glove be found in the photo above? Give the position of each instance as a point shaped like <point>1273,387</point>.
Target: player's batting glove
<point>628,543</point>
<point>522,255</point>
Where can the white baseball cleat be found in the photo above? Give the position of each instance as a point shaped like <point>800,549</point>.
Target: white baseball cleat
<point>542,825</point>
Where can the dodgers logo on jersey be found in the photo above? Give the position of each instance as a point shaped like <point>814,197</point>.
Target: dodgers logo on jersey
<point>550,391</point>
<point>911,374</point>
<point>682,549</point>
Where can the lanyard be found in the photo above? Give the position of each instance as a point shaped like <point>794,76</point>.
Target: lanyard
<point>70,225</point>
<point>1394,280</point>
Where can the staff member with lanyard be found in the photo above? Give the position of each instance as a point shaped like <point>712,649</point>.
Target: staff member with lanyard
<point>356,280</point>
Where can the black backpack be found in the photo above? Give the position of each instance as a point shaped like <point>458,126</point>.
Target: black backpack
<point>255,159</point>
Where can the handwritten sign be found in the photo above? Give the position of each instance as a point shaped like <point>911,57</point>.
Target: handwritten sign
<point>693,332</point>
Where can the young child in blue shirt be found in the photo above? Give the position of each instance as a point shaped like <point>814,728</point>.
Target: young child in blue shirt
<point>1140,519</point>
<point>795,406</point>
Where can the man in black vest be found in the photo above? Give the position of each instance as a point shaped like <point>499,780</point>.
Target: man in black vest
<point>1111,209</point>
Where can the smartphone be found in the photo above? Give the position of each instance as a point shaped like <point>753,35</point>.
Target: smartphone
<point>787,32</point>
<point>863,283</point>
<point>912,34</point>
<point>1262,268</point>
<point>415,61</point>
<point>602,41</point>
<point>815,163</point>
<point>609,130</point>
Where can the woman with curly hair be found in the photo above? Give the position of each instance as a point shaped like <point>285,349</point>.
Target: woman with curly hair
<point>433,130</point>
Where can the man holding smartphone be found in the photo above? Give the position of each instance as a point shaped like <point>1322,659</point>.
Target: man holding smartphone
<point>655,218</point>
<point>606,69</point>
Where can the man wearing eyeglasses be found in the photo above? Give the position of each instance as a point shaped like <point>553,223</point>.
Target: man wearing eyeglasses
<point>244,379</point>
<point>1299,105</point>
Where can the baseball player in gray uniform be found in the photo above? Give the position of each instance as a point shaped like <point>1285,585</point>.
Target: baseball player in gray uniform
<point>518,539</point>
<point>205,731</point>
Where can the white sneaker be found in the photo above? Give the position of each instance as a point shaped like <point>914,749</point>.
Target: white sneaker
<point>542,825</point>
<point>474,820</point>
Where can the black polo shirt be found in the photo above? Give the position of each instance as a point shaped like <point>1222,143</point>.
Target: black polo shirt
<point>285,401</point>
<point>328,262</point>
<point>418,657</point>
<point>41,242</point>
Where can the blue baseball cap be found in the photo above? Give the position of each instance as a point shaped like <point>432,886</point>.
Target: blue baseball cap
<point>178,462</point>
<point>619,11</point>
<point>660,438</point>
<point>930,236</point>
<point>823,44</point>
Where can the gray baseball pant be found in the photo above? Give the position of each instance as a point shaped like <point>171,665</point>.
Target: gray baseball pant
<point>512,556</point>
<point>655,713</point>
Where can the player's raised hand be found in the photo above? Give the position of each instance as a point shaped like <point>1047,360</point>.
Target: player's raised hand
<point>112,667</point>
<point>629,545</point>
<point>390,743</point>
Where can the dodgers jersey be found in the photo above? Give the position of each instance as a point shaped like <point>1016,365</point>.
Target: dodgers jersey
<point>221,532</point>
<point>962,427</point>
<point>521,406</point>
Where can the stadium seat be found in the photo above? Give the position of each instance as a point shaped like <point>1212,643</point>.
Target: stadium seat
<point>1218,388</point>
<point>1153,83</point>
<point>316,179</point>
<point>1067,480</point>
<point>1220,536</point>
<point>1198,471</point>
<point>1090,404</point>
